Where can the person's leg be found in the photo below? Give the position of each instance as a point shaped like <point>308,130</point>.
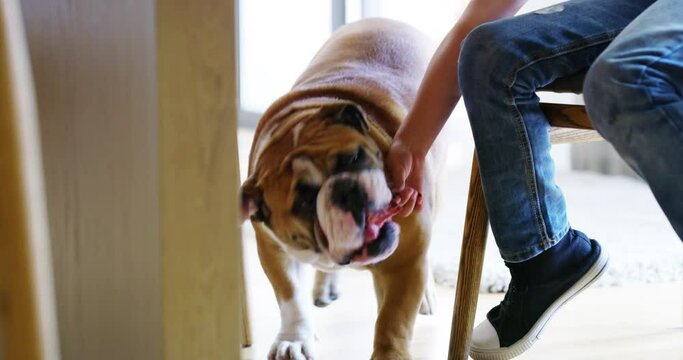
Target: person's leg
<point>634,96</point>
<point>502,65</point>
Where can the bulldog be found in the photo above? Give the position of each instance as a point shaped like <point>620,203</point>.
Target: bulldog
<point>317,194</point>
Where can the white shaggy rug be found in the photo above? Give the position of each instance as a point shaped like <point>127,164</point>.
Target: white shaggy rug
<point>618,211</point>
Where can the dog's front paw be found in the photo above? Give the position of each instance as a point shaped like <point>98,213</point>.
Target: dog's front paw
<point>326,289</point>
<point>291,350</point>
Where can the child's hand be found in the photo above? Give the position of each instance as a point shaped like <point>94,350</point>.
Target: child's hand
<point>404,174</point>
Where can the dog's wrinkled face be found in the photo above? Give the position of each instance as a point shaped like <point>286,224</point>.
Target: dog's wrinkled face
<point>319,186</point>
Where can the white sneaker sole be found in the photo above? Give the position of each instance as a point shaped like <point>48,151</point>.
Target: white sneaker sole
<point>530,338</point>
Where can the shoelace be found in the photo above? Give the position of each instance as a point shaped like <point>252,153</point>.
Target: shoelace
<point>508,300</point>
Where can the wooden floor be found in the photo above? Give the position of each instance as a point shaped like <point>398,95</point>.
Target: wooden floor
<point>633,322</point>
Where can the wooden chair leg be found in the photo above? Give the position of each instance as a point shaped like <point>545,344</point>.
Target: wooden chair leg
<point>471,263</point>
<point>246,326</point>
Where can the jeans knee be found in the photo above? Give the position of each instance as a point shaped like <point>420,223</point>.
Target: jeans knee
<point>472,51</point>
<point>484,57</point>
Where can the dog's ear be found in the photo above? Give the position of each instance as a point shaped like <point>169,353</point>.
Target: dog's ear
<point>350,115</point>
<point>253,206</point>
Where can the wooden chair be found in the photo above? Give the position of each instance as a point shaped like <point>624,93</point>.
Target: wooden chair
<point>569,124</point>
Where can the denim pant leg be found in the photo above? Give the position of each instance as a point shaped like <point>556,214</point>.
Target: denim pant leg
<point>634,96</point>
<point>501,65</point>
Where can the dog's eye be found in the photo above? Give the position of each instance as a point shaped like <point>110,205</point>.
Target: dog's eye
<point>303,206</point>
<point>347,162</point>
<point>305,202</point>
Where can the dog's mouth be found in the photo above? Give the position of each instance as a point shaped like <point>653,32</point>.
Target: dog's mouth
<point>376,220</point>
<point>380,236</point>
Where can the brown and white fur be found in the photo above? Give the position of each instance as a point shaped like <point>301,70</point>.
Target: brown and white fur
<point>316,174</point>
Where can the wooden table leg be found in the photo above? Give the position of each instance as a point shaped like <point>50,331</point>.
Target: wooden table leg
<point>28,322</point>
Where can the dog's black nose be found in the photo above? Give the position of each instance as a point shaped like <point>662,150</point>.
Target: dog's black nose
<point>349,196</point>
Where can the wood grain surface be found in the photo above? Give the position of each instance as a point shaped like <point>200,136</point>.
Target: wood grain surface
<point>471,264</point>
<point>27,310</point>
<point>94,69</point>
<point>199,179</point>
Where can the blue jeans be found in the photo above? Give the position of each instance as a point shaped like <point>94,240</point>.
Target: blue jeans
<point>633,95</point>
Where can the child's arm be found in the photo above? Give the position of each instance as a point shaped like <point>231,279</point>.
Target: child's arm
<point>436,98</point>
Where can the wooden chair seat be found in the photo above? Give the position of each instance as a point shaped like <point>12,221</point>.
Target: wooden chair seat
<point>569,124</point>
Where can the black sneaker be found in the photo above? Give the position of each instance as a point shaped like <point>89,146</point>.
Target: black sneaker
<point>539,287</point>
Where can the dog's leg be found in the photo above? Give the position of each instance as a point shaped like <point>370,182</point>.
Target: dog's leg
<point>401,290</point>
<point>287,276</point>
<point>379,290</point>
<point>326,288</point>
<point>428,304</point>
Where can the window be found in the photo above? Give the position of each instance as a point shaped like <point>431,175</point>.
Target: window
<point>277,40</point>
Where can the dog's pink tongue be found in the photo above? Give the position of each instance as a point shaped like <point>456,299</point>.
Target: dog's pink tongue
<point>375,220</point>
<point>371,232</point>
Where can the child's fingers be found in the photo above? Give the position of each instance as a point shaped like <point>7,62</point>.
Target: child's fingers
<point>409,205</point>
<point>402,197</point>
<point>418,202</point>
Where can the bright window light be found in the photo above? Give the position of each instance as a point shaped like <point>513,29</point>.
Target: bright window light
<point>277,40</point>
